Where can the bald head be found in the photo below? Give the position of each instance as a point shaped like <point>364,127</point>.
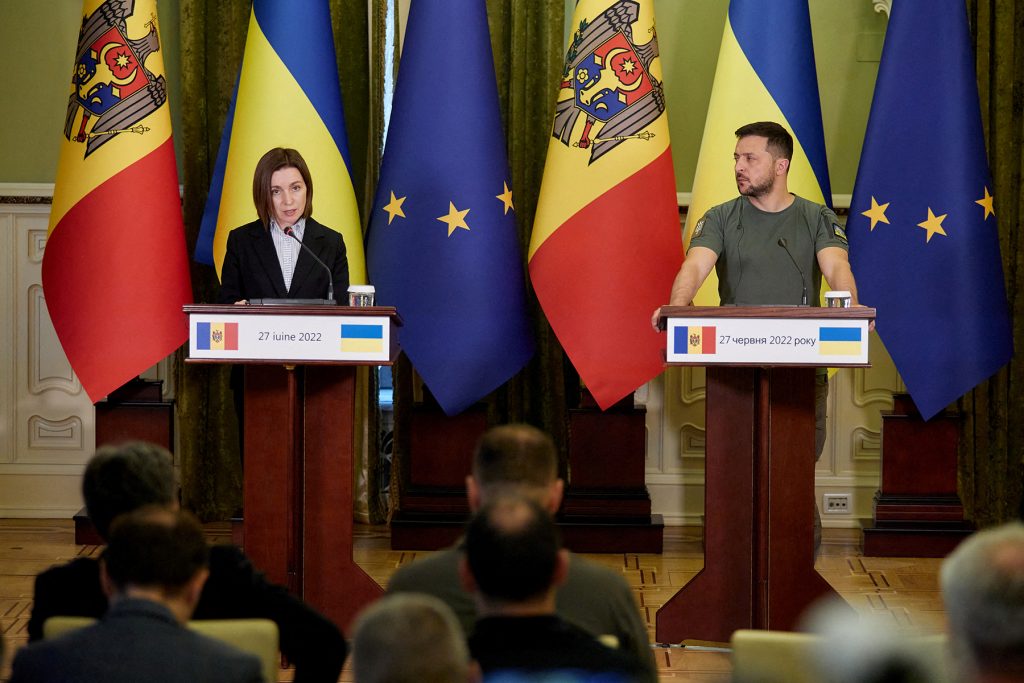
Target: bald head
<point>420,627</point>
<point>512,547</point>
<point>983,589</point>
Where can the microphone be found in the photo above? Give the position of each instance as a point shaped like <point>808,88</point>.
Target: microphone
<point>785,245</point>
<point>330,276</point>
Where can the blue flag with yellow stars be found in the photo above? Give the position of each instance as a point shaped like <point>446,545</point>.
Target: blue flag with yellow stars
<point>442,244</point>
<point>923,239</point>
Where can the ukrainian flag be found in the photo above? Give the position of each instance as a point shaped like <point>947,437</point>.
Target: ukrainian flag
<point>839,341</point>
<point>288,95</point>
<point>359,338</point>
<point>761,80</point>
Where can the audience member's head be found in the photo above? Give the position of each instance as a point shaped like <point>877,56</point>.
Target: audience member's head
<point>983,589</point>
<point>122,478</point>
<point>513,556</point>
<point>519,459</point>
<point>157,553</point>
<point>852,650</point>
<point>423,630</point>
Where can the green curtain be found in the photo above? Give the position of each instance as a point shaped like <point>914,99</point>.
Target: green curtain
<point>527,39</point>
<point>212,43</point>
<point>992,447</point>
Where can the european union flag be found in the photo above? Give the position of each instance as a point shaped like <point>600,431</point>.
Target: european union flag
<point>923,239</point>
<point>442,243</point>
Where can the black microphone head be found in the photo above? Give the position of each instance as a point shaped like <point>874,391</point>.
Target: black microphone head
<point>782,242</point>
<point>290,231</point>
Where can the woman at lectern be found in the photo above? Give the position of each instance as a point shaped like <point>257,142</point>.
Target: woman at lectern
<point>285,254</point>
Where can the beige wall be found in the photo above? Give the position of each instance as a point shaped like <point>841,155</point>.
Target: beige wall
<point>37,38</point>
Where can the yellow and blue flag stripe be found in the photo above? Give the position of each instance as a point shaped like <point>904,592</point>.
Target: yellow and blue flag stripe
<point>288,95</point>
<point>362,338</point>
<point>840,341</point>
<point>761,80</point>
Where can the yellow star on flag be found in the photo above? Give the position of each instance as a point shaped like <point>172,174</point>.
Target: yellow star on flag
<point>933,225</point>
<point>394,207</point>
<point>454,219</point>
<point>506,197</point>
<point>988,201</point>
<point>876,213</point>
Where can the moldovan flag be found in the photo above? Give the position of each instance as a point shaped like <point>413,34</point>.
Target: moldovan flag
<point>115,268</point>
<point>442,245</point>
<point>288,95</point>
<point>924,243</point>
<point>760,80</point>
<point>606,243</point>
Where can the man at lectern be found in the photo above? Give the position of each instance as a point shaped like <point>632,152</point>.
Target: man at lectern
<point>768,246</point>
<point>285,254</point>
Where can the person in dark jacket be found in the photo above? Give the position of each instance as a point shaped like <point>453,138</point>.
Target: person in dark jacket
<point>264,259</point>
<point>153,569</point>
<point>119,479</point>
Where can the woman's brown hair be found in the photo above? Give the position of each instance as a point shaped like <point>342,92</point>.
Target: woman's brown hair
<point>269,163</point>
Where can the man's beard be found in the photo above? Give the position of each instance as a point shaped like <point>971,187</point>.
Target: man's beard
<point>759,190</point>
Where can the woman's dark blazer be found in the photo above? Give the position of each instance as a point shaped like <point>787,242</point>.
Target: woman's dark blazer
<point>251,269</point>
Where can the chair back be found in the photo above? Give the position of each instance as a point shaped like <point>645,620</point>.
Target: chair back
<point>787,657</point>
<point>255,636</point>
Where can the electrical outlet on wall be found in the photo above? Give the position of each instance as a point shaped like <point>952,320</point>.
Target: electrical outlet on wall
<point>837,504</point>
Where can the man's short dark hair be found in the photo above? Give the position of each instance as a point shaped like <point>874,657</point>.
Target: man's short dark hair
<point>780,142</point>
<point>122,478</point>
<point>515,455</point>
<point>155,546</point>
<point>512,548</point>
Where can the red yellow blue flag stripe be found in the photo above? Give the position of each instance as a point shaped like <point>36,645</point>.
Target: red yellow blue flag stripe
<point>694,339</point>
<point>217,336</point>
<point>115,268</point>
<point>606,241</point>
<point>288,95</point>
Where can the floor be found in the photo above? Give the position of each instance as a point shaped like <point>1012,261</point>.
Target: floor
<point>902,592</point>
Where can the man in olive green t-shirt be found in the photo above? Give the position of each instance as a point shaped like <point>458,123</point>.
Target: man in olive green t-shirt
<point>768,246</point>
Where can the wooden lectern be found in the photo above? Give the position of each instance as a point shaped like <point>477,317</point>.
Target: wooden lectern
<point>759,463</point>
<point>300,366</point>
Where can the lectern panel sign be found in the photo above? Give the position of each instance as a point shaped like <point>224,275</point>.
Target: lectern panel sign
<point>705,341</point>
<point>290,337</point>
